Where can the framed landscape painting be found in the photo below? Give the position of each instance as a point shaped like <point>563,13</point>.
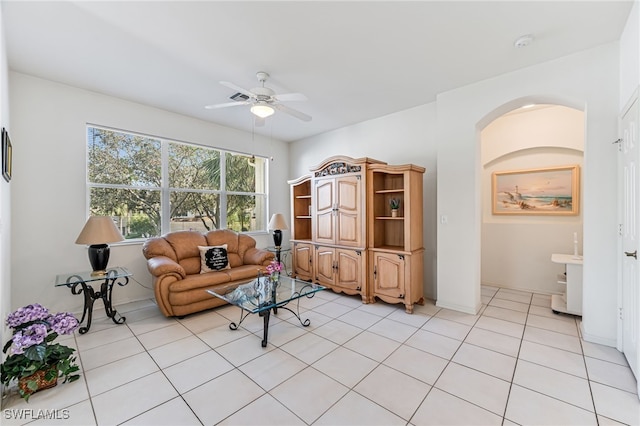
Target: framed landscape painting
<point>548,191</point>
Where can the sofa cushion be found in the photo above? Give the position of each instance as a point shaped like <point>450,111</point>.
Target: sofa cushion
<point>185,245</point>
<point>245,272</point>
<point>213,258</point>
<point>188,297</point>
<point>230,238</point>
<point>210,279</point>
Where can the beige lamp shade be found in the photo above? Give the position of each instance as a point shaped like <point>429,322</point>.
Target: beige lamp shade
<point>99,230</point>
<point>277,222</point>
<point>97,233</point>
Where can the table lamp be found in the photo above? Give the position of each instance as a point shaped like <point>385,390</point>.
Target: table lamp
<point>97,233</point>
<point>277,224</point>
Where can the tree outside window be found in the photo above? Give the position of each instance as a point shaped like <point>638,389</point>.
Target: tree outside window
<point>151,186</point>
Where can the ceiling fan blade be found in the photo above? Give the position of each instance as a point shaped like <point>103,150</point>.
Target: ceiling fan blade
<point>238,89</point>
<point>297,114</point>
<point>227,104</point>
<point>286,97</point>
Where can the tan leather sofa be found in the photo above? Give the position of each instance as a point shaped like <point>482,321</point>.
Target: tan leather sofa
<point>174,260</point>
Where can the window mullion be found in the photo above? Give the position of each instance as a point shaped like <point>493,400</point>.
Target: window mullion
<point>165,193</point>
<point>223,190</point>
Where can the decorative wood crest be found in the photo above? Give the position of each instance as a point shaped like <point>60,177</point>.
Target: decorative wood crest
<point>338,168</point>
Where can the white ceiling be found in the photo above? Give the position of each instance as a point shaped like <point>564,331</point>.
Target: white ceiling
<point>354,60</point>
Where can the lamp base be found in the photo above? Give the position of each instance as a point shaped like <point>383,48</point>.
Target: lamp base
<point>277,238</point>
<point>99,258</point>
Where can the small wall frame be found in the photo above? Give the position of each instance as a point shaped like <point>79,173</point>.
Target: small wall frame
<point>7,155</point>
<point>543,191</point>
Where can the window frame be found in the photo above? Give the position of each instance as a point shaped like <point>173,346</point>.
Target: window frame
<point>165,191</point>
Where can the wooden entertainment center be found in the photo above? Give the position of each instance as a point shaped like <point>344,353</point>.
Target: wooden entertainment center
<point>344,235</point>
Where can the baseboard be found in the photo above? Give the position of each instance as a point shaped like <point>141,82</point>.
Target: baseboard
<point>98,307</point>
<point>459,308</point>
<point>528,290</point>
<point>597,339</point>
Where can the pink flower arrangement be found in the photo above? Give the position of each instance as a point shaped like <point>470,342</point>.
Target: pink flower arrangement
<point>274,268</point>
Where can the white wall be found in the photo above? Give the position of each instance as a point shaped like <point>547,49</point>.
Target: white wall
<point>516,250</point>
<point>588,80</point>
<point>630,55</point>
<point>49,205</point>
<point>400,138</point>
<point>5,194</point>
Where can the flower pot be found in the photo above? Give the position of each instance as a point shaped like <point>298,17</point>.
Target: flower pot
<point>394,213</point>
<point>39,378</point>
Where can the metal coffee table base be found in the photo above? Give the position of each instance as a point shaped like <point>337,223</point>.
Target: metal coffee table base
<point>266,315</point>
<point>264,295</point>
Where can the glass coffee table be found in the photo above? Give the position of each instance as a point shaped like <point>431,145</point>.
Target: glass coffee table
<point>262,295</point>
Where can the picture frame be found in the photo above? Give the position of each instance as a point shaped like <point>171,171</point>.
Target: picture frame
<point>551,191</point>
<point>7,156</point>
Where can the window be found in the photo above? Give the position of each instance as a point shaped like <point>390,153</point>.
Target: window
<point>152,186</point>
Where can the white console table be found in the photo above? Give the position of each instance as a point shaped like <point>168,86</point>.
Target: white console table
<point>571,301</point>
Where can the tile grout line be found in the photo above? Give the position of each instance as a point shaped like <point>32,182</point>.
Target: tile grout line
<point>515,367</point>
<point>352,388</point>
<point>449,361</point>
<point>377,365</point>
<point>160,369</point>
<point>86,383</point>
<point>584,360</point>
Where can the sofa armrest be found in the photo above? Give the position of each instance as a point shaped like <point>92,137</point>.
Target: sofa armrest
<point>256,256</point>
<point>161,265</point>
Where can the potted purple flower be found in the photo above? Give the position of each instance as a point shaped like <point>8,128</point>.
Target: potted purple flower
<point>34,360</point>
<point>273,269</point>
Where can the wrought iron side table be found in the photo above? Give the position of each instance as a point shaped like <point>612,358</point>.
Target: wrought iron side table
<point>282,254</point>
<point>85,280</point>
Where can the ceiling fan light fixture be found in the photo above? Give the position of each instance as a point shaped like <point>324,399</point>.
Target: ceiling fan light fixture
<point>262,110</point>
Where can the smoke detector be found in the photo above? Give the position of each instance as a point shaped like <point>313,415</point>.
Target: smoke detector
<point>523,41</point>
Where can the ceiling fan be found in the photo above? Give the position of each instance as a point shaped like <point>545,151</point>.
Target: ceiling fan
<point>263,100</point>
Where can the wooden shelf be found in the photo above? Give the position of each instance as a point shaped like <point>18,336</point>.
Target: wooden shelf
<point>301,208</point>
<point>390,191</point>
<point>389,248</point>
<point>402,183</point>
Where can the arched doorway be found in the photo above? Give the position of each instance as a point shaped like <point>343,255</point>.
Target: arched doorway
<point>516,248</point>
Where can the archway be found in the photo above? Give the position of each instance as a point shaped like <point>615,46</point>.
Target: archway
<point>516,248</point>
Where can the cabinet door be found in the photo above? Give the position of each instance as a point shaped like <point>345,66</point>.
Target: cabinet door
<point>349,269</point>
<point>388,275</point>
<point>324,219</point>
<point>302,264</point>
<point>325,265</point>
<point>349,212</point>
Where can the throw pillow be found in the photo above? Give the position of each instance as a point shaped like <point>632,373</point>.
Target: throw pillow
<point>213,258</point>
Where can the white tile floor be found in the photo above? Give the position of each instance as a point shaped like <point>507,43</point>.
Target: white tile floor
<point>515,363</point>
